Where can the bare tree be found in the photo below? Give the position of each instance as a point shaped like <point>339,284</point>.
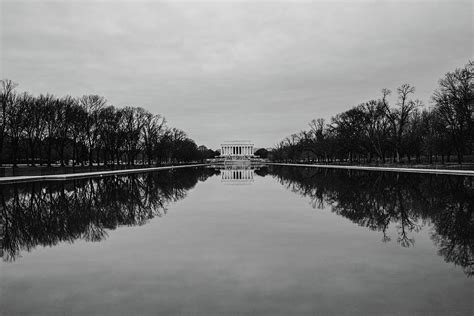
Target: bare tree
<point>152,129</point>
<point>399,116</point>
<point>16,122</point>
<point>7,97</point>
<point>91,104</point>
<point>77,129</point>
<point>35,129</point>
<point>65,118</point>
<point>454,100</point>
<point>48,102</point>
<point>375,127</point>
<point>133,122</point>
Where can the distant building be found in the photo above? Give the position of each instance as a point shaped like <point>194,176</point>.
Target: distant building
<point>237,148</point>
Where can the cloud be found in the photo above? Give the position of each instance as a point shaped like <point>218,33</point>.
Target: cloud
<point>223,70</point>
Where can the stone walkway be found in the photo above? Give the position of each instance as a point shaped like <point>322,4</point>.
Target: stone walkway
<point>68,176</point>
<point>391,169</point>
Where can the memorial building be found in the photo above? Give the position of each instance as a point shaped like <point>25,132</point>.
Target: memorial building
<point>237,148</point>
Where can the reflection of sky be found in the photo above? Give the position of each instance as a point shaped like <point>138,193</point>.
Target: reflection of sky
<point>237,249</point>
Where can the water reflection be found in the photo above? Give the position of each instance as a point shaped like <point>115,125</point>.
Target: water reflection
<point>45,214</point>
<point>237,175</point>
<point>377,200</point>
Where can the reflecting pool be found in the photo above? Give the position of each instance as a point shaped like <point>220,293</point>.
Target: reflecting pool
<point>213,241</point>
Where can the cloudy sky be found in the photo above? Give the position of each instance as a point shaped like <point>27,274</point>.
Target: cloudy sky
<point>257,70</point>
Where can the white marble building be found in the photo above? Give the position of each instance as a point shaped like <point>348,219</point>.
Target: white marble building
<point>237,148</point>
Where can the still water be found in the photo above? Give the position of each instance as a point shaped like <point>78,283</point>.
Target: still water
<point>274,241</point>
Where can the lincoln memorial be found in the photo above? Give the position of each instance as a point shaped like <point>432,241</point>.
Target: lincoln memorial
<point>238,148</point>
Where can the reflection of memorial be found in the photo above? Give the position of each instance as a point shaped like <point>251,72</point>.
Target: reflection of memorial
<point>237,176</point>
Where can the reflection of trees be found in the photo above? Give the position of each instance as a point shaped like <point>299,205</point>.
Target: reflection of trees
<point>376,200</point>
<point>47,213</point>
<point>262,172</point>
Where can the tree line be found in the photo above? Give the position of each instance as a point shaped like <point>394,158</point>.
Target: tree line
<point>377,130</point>
<point>46,129</point>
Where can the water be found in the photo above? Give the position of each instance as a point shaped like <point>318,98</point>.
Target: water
<point>275,241</point>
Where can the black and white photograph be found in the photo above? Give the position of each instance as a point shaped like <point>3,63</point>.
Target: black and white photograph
<point>237,157</point>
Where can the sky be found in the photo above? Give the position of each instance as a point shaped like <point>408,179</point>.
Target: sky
<point>227,70</point>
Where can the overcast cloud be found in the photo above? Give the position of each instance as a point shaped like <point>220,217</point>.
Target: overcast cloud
<point>234,70</point>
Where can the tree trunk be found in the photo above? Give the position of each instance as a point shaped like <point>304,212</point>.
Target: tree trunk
<point>32,153</point>
<point>90,157</point>
<point>50,145</point>
<point>1,149</point>
<point>460,157</point>
<point>61,152</point>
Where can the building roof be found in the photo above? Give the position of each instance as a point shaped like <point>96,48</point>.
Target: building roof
<point>237,142</point>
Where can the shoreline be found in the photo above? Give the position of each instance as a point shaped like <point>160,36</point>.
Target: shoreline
<point>70,176</point>
<point>456,172</point>
<point>104,173</point>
